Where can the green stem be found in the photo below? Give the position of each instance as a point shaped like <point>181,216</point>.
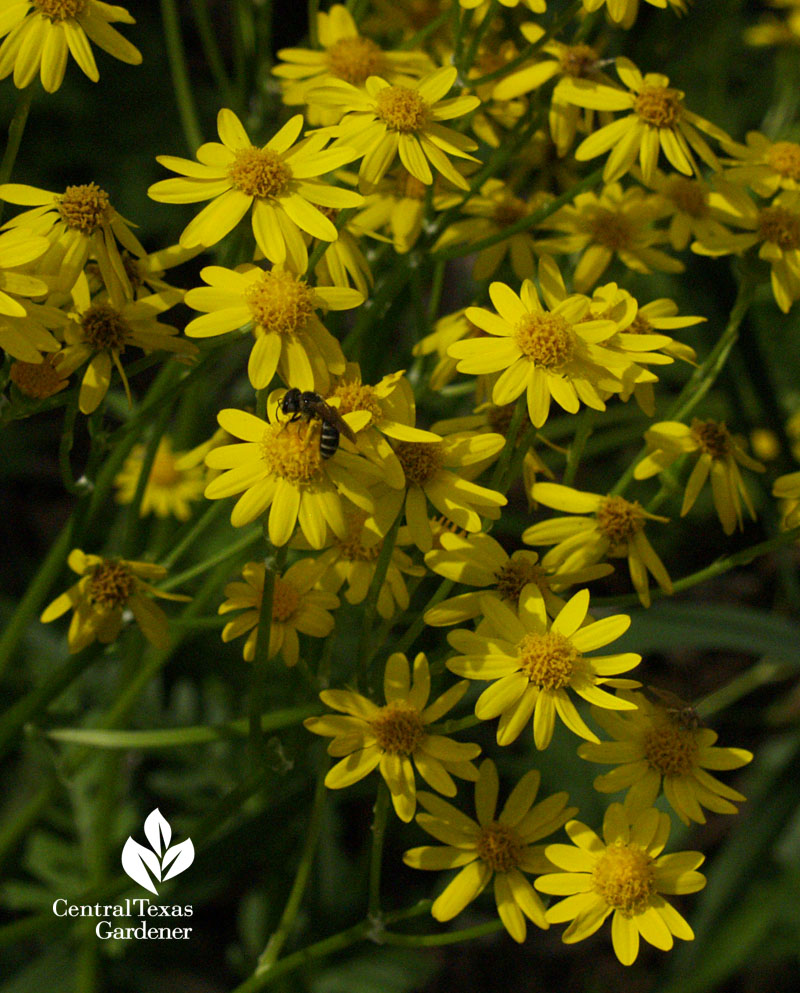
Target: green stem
<point>133,519</point>
<point>273,566</point>
<point>437,940</point>
<point>180,75</point>
<point>512,435</point>
<point>465,64</point>
<point>215,509</point>
<point>416,40</point>
<point>578,444</point>
<point>225,555</point>
<point>414,630</point>
<point>313,30</point>
<point>21,819</point>
<point>16,129</point>
<point>371,600</point>
<point>381,814</point>
<point>290,911</point>
<point>208,39</point>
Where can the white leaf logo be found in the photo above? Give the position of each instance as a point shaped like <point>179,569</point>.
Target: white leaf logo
<point>143,864</point>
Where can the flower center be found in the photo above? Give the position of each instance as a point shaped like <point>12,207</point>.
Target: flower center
<point>499,418</point>
<point>104,328</point>
<point>509,210</point>
<point>289,451</point>
<point>500,847</point>
<point>285,600</point>
<point>545,338</point>
<point>670,749</point>
<point>401,109</point>
<point>356,59</point>
<point>84,208</point>
<point>610,228</point>
<point>625,879</point>
<point>420,460</point>
<point>781,226</point>
<point>408,187</point>
<point>280,302</point>
<point>639,325</point>
<point>659,106</point>
<point>37,379</point>
<point>60,10</point>
<point>712,437</point>
<point>784,157</point>
<point>687,195</point>
<point>549,660</point>
<point>111,584</point>
<point>514,576</point>
<point>398,728</point>
<point>163,472</point>
<point>260,172</point>
<point>357,396</point>
<point>351,547</point>
<point>618,520</point>
<point>134,270</point>
<point>578,60</point>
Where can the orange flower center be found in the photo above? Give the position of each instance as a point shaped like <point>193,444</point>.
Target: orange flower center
<point>670,749</point>
<point>619,520</point>
<point>500,847</point>
<point>515,575</point>
<point>401,109</point>
<point>548,660</point>
<point>280,302</point>
<point>624,877</point>
<point>356,59</point>
<point>509,210</point>
<point>104,328</point>
<point>285,600</point>
<point>60,10</point>
<point>610,228</point>
<point>398,728</point>
<point>578,60</point>
<point>291,451</point>
<point>163,472</point>
<point>659,106</point>
<point>712,437</point>
<point>780,226</point>
<point>784,157</point>
<point>545,338</point>
<point>111,584</point>
<point>260,172</point>
<point>37,379</point>
<point>639,325</point>
<point>687,195</point>
<point>420,460</point>
<point>358,396</point>
<point>84,208</point>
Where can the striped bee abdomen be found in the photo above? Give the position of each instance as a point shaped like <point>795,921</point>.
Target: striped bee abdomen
<point>328,440</point>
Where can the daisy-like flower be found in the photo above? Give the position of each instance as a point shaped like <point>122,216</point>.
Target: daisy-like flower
<point>623,874</point>
<point>613,528</point>
<point>661,745</point>
<point>478,560</point>
<point>535,6</point>
<point>343,263</point>
<point>296,608</point>
<point>280,181</point>
<point>657,120</point>
<point>99,332</point>
<point>532,662</point>
<point>279,466</point>
<point>279,308</point>
<point>615,223</point>
<point>397,206</point>
<point>624,12</point>
<point>38,380</point>
<point>146,273</point>
<point>396,738</point>
<point>774,228</point>
<point>687,203</point>
<point>542,352</point>
<point>169,491</point>
<point>494,118</point>
<point>40,34</point>
<point>720,455</point>
<point>385,120</point>
<point>788,488</point>
<point>106,589</point>
<point>80,224</point>
<point>500,847</point>
<point>765,166</point>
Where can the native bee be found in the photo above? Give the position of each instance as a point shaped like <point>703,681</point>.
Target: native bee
<point>678,711</point>
<point>311,407</point>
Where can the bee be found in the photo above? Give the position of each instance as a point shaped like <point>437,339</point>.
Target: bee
<point>311,407</point>
<point>678,711</point>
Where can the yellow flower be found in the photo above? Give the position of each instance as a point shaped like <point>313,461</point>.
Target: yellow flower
<point>663,744</point>
<point>108,587</point>
<point>37,380</point>
<point>687,203</point>
<point>536,6</point>
<point>280,466</point>
<point>615,528</point>
<point>80,224</point>
<point>788,488</point>
<point>494,117</point>
<point>19,248</point>
<point>543,353</point>
<point>279,307</point>
<point>385,120</point>
<point>657,119</point>
<point>392,737</point>
<point>623,12</point>
<point>478,560</point>
<point>344,263</point>
<point>615,223</point>
<point>500,847</point>
<point>532,662</point>
<point>169,491</point>
<point>296,607</point>
<point>765,166</point>
<point>623,873</point>
<point>42,33</point>
<point>100,331</point>
<point>770,30</point>
<point>146,274</point>
<point>720,455</point>
<point>280,181</point>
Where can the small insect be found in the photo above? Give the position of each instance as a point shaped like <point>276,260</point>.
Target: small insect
<point>311,407</point>
<point>679,711</point>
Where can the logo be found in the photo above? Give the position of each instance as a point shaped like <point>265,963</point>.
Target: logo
<point>159,862</point>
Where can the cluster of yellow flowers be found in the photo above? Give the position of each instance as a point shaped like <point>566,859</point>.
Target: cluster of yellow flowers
<point>447,145</point>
